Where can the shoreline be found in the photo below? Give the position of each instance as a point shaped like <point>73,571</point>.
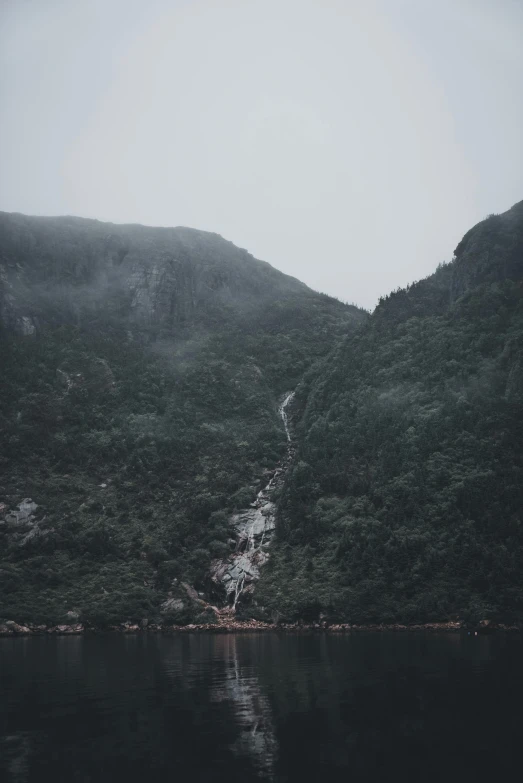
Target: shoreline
<point>10,629</point>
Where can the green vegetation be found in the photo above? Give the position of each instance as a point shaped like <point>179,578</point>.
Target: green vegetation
<point>143,411</point>
<point>178,424</point>
<point>406,497</point>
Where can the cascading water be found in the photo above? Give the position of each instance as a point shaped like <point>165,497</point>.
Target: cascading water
<point>254,528</point>
<point>282,410</point>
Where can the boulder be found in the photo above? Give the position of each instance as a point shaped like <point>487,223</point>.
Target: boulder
<point>15,628</point>
<point>23,514</point>
<point>172,605</point>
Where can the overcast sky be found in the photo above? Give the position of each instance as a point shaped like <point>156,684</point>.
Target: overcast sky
<point>350,143</point>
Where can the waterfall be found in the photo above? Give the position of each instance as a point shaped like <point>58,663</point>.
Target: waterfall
<point>254,528</point>
<point>282,410</point>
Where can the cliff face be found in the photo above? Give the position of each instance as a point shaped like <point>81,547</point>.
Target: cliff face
<point>490,252</point>
<point>70,269</point>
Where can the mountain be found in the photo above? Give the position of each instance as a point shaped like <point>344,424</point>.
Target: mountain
<point>142,374</point>
<point>404,502</point>
<point>162,281</point>
<point>184,427</point>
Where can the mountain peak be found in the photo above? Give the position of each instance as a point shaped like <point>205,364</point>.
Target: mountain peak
<point>491,251</point>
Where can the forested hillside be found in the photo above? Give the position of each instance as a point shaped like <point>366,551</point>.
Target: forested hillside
<point>141,371</point>
<point>405,500</point>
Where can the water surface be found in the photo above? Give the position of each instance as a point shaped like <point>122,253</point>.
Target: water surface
<point>280,707</point>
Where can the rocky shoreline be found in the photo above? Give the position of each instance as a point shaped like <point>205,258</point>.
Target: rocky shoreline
<point>10,628</point>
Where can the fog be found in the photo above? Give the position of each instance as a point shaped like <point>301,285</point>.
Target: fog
<point>348,143</point>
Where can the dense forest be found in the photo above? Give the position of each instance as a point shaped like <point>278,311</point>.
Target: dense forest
<point>138,411</point>
<point>405,501</point>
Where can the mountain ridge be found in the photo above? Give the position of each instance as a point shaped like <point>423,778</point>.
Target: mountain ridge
<point>404,504</point>
<point>142,437</point>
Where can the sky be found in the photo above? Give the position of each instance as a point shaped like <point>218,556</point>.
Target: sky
<point>349,143</point>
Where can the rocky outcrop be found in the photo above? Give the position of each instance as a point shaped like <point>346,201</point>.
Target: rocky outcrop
<point>23,514</point>
<point>490,252</point>
<point>172,605</point>
<point>10,628</point>
<point>21,522</point>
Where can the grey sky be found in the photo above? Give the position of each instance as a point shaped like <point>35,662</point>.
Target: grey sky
<point>349,143</point>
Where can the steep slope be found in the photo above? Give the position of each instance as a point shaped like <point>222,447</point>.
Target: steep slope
<point>405,499</point>
<point>142,371</point>
<point>166,280</point>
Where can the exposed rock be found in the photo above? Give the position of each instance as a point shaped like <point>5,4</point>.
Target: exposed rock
<point>10,627</point>
<point>77,628</point>
<point>23,514</point>
<point>161,276</point>
<point>490,252</point>
<point>253,528</point>
<point>35,532</point>
<point>65,629</point>
<point>225,622</point>
<point>172,605</point>
<point>130,628</point>
<point>22,524</point>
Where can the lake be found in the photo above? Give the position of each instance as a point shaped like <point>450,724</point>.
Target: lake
<point>244,707</point>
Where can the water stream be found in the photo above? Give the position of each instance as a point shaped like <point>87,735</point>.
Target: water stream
<point>253,528</point>
<point>282,410</point>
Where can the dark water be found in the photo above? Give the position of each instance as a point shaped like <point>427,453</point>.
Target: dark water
<point>369,707</point>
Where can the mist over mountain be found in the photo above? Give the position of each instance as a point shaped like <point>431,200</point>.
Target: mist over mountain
<point>163,280</point>
<point>146,467</point>
<point>142,370</point>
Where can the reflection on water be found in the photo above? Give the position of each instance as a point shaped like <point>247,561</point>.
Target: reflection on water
<point>277,707</point>
<point>252,711</point>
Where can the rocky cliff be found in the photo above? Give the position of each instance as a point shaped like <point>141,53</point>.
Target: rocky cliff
<point>168,279</point>
<point>490,252</point>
